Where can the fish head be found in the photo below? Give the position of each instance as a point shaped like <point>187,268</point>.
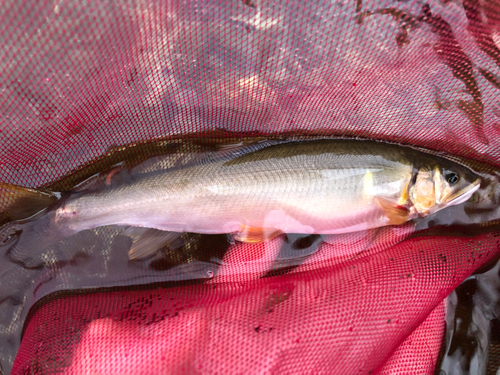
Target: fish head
<point>441,185</point>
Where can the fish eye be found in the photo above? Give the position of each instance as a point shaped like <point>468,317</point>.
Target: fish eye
<point>451,177</point>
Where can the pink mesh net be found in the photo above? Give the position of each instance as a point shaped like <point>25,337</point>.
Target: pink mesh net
<point>82,78</point>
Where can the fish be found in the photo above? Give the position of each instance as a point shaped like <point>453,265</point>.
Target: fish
<point>258,191</point>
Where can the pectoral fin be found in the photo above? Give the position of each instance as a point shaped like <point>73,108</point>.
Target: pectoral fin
<point>255,235</point>
<point>395,213</point>
<point>147,241</point>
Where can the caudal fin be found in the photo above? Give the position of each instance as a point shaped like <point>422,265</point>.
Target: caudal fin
<point>18,203</point>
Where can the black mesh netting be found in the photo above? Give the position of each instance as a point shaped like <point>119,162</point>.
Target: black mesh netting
<point>86,85</point>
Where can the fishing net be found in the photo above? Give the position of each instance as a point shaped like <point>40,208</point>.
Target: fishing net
<point>85,79</point>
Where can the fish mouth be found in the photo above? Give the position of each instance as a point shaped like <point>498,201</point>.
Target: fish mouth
<point>457,198</point>
<point>463,195</point>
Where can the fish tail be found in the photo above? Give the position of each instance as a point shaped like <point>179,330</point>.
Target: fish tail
<point>19,203</point>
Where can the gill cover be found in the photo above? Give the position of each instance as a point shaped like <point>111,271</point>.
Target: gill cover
<point>441,184</point>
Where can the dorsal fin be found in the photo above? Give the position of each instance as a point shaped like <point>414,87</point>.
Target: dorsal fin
<point>229,151</point>
<point>220,153</point>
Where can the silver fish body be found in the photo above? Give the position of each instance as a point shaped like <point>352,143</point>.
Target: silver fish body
<point>320,186</point>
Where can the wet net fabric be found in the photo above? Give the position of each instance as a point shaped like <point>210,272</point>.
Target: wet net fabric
<point>81,78</point>
<point>386,316</point>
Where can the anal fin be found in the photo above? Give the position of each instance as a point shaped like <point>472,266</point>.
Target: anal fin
<point>147,241</point>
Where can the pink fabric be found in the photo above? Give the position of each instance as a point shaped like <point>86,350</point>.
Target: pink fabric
<point>379,313</point>
<point>418,353</point>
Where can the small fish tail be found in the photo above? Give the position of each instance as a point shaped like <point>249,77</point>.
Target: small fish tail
<point>19,203</point>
